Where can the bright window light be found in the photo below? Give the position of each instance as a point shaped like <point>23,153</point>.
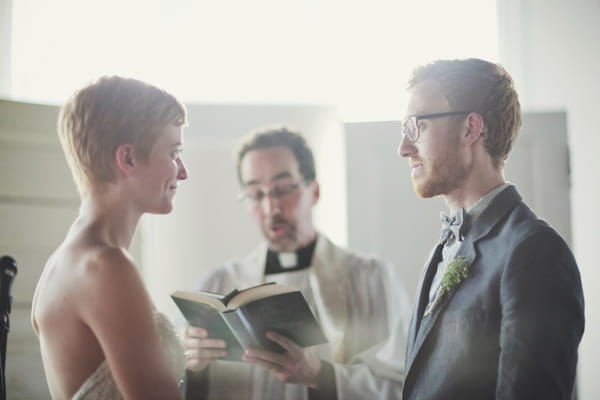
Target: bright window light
<point>353,54</point>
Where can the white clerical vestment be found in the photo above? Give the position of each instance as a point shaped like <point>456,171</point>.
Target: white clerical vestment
<point>361,307</point>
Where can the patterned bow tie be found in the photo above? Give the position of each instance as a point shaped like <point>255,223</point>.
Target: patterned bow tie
<point>454,226</point>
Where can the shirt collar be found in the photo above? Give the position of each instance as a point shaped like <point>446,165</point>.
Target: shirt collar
<point>477,209</point>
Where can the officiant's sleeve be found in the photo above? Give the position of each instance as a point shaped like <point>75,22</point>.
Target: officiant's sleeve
<point>327,389</point>
<point>196,384</point>
<point>376,340</point>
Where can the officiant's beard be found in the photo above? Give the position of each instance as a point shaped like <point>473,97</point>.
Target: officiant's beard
<point>282,241</point>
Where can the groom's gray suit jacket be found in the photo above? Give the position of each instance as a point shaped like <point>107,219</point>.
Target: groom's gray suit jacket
<point>511,329</point>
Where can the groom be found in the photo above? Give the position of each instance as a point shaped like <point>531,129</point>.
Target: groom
<point>499,312</point>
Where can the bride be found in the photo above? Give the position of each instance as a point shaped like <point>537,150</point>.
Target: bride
<point>99,334</point>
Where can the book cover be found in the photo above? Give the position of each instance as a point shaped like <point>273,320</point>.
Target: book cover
<point>210,318</point>
<point>243,317</point>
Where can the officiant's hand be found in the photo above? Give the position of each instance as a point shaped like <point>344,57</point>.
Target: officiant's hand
<point>200,350</point>
<point>296,365</point>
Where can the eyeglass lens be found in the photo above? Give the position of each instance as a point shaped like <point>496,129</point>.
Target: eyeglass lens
<point>409,129</point>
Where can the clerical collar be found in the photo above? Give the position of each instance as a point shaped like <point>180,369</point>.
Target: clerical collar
<point>278,262</point>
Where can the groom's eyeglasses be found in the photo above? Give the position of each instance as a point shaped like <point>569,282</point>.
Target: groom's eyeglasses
<point>410,126</point>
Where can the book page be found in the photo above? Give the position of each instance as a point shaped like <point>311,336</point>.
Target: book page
<point>257,292</point>
<point>212,299</point>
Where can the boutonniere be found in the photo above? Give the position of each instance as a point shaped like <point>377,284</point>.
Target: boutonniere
<point>457,271</point>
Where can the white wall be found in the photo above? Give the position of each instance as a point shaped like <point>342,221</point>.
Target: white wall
<point>552,49</point>
<point>5,47</point>
<point>38,202</point>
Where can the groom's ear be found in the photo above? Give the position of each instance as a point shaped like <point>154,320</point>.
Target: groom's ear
<point>125,159</point>
<point>475,127</point>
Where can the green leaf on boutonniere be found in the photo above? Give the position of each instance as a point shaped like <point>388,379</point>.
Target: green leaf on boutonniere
<point>457,271</point>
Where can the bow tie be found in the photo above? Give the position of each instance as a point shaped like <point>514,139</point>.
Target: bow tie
<point>454,226</point>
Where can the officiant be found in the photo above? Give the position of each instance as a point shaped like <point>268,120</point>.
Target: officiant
<point>358,300</point>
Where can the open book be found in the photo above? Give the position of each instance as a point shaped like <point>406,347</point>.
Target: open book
<point>243,317</point>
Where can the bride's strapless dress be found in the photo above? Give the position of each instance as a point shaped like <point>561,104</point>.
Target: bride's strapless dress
<point>101,386</point>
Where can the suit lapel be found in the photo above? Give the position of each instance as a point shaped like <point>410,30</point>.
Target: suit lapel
<point>421,327</point>
<point>422,300</point>
<point>466,250</point>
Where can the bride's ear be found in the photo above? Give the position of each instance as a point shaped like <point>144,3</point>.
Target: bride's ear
<point>125,159</point>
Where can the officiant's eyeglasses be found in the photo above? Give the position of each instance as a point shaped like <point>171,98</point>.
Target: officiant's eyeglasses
<point>280,191</point>
<point>410,126</point>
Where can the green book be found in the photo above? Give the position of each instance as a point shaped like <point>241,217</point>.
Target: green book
<point>242,317</point>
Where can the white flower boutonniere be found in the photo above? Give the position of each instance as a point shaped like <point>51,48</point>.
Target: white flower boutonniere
<point>457,271</point>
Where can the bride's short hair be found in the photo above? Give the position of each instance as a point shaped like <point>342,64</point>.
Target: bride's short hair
<point>111,111</point>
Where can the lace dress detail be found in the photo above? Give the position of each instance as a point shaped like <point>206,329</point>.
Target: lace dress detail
<point>101,386</point>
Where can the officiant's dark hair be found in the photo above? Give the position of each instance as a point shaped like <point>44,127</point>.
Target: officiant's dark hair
<point>265,138</point>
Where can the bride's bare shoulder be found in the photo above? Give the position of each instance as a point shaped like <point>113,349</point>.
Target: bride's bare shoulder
<point>105,270</point>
